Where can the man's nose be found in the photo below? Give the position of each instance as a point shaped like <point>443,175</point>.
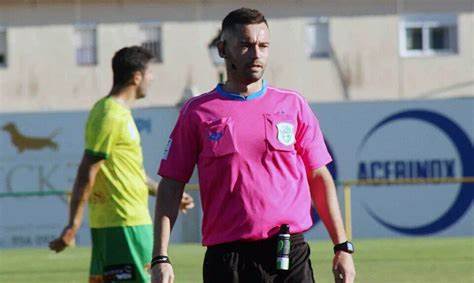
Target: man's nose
<point>256,51</point>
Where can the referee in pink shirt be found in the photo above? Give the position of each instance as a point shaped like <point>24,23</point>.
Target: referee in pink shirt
<point>261,159</point>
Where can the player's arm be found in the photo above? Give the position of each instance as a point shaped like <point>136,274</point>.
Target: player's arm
<point>187,201</point>
<point>168,200</point>
<point>83,184</point>
<point>324,196</point>
<point>152,186</point>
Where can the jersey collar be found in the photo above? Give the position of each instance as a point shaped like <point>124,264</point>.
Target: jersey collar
<point>237,96</point>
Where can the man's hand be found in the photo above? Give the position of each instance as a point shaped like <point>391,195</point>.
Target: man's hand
<point>343,268</point>
<point>66,239</point>
<point>162,273</point>
<point>187,202</point>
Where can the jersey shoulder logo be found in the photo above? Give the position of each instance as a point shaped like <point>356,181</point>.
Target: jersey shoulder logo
<point>286,133</point>
<point>215,136</point>
<point>167,149</point>
<point>132,129</point>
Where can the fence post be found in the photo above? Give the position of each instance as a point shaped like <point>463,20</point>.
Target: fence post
<point>347,211</point>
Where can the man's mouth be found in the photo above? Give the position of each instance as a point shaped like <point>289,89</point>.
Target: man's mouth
<point>255,66</point>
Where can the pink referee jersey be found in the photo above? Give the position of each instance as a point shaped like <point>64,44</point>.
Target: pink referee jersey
<point>252,156</point>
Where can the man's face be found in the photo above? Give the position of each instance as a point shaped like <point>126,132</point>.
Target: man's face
<point>143,86</point>
<point>246,52</point>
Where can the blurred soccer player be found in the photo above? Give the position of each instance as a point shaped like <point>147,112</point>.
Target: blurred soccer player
<point>261,159</point>
<point>112,178</point>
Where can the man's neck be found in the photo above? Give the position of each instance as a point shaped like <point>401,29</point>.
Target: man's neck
<point>124,96</point>
<point>243,89</point>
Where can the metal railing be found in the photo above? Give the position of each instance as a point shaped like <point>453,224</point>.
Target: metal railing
<point>347,187</point>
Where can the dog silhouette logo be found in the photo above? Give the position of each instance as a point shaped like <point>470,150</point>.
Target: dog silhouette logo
<point>23,142</point>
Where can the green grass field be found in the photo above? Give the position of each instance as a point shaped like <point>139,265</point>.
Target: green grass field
<point>409,260</point>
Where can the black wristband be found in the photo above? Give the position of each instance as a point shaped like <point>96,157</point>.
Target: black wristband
<point>159,259</point>
<point>347,247</point>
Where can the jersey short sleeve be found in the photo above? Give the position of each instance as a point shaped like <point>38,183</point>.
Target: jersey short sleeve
<point>181,152</point>
<point>310,142</point>
<point>101,134</point>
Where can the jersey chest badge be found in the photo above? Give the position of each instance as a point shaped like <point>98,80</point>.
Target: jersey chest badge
<point>286,133</point>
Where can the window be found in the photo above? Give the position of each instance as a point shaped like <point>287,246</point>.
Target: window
<point>151,40</point>
<point>422,35</point>
<point>317,38</point>
<point>3,47</point>
<point>86,44</point>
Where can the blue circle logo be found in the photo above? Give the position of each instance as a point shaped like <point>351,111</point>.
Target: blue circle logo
<point>464,148</point>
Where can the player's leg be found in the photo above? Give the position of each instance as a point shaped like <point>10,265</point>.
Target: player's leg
<point>128,253</point>
<point>239,262</point>
<point>97,257</point>
<point>141,239</point>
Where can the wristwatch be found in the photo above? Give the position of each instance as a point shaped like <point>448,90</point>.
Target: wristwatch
<point>347,247</point>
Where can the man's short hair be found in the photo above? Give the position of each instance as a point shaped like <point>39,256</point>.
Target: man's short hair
<point>127,61</point>
<point>242,16</point>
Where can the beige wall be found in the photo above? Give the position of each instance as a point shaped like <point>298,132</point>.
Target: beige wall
<point>443,76</point>
<point>42,73</point>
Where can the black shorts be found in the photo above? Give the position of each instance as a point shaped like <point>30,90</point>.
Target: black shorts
<point>256,262</point>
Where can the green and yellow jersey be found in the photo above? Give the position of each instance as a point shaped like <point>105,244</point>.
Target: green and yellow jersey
<point>120,194</point>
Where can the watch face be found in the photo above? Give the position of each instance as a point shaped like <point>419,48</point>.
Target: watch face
<point>350,247</point>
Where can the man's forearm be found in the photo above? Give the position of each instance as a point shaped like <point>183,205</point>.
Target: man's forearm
<point>323,192</point>
<point>166,212</point>
<point>80,195</point>
<point>83,184</point>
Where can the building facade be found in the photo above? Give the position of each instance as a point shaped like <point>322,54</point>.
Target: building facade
<point>55,55</point>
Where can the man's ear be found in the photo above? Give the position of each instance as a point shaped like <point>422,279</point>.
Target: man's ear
<point>221,49</point>
<point>137,78</point>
